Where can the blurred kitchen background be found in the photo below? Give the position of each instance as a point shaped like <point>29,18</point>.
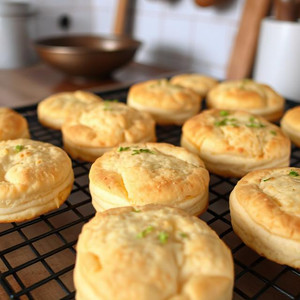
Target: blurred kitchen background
<point>229,39</point>
<point>177,34</point>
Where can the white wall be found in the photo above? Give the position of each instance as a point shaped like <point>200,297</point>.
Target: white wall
<point>175,34</point>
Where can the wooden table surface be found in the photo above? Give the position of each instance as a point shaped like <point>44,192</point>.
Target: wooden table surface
<point>21,87</point>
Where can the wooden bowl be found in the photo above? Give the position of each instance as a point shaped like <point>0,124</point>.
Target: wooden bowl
<point>87,55</point>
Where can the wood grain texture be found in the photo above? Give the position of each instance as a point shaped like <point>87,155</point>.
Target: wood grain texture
<point>244,48</point>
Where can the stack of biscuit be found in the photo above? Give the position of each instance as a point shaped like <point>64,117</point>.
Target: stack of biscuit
<point>91,126</point>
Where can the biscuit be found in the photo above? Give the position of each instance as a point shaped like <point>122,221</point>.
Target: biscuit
<point>290,124</point>
<point>12,125</point>
<point>201,84</point>
<point>233,143</point>
<point>99,127</point>
<point>248,95</point>
<point>138,174</point>
<point>151,252</point>
<point>265,213</point>
<point>166,102</point>
<point>36,177</point>
<point>53,110</point>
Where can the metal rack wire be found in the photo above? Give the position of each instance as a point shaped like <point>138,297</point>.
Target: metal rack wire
<point>37,257</point>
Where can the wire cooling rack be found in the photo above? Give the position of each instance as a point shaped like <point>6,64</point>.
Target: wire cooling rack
<point>37,257</point>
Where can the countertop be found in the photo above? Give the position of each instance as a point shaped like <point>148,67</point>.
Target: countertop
<point>26,86</point>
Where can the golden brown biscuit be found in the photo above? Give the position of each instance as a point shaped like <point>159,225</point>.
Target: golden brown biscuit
<point>104,125</point>
<point>233,143</point>
<point>12,125</point>
<point>151,252</point>
<point>248,95</point>
<point>265,213</point>
<point>36,177</point>
<point>138,174</point>
<point>166,102</point>
<point>53,110</point>
<point>290,124</point>
<point>199,83</point>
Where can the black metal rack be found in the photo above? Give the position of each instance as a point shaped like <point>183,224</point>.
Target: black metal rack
<point>37,257</point>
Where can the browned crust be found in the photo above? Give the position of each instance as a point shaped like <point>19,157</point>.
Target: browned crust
<point>265,210</point>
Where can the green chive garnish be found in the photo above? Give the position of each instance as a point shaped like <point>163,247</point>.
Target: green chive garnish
<point>121,149</point>
<point>254,123</point>
<point>163,237</point>
<point>183,235</point>
<point>273,132</point>
<point>224,113</point>
<point>19,148</point>
<point>267,179</point>
<point>227,121</point>
<point>139,151</point>
<point>294,174</point>
<point>145,232</point>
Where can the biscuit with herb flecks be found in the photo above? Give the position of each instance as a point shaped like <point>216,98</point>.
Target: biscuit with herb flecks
<point>151,252</point>
<point>35,178</point>
<point>265,213</point>
<point>104,125</point>
<point>138,174</point>
<point>233,143</point>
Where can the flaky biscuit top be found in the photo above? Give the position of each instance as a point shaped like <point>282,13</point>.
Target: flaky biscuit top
<point>244,94</point>
<point>29,169</point>
<point>56,108</point>
<point>168,173</point>
<point>12,125</point>
<point>151,252</point>
<point>164,95</point>
<point>291,119</point>
<point>197,82</point>
<point>107,124</point>
<point>235,133</point>
<point>272,198</point>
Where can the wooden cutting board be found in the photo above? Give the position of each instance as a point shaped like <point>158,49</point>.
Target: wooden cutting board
<point>244,48</point>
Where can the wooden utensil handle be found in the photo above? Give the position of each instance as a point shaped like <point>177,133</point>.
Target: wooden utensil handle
<point>205,2</point>
<point>244,48</point>
<point>120,18</point>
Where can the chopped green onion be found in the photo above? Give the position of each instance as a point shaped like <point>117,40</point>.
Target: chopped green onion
<point>273,132</point>
<point>294,173</point>
<point>183,235</point>
<point>227,121</point>
<point>136,210</point>
<point>145,232</point>
<point>254,123</point>
<point>163,237</point>
<point>121,149</point>
<point>224,113</point>
<point>19,148</point>
<point>267,179</point>
<point>107,103</point>
<point>139,151</point>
